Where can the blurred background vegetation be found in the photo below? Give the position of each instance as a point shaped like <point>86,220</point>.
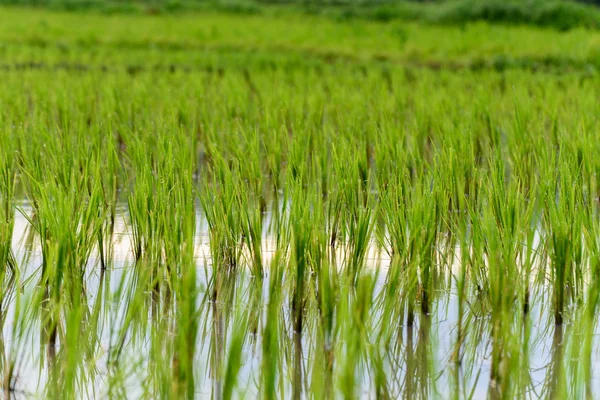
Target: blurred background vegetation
<point>557,14</point>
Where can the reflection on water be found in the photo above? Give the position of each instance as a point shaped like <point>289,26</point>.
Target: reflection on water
<point>129,349</point>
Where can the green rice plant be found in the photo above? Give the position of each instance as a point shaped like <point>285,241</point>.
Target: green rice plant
<point>67,229</point>
<point>464,248</point>
<point>221,208</point>
<point>326,280</point>
<point>252,199</point>
<point>300,235</point>
<point>145,200</point>
<point>398,245</point>
<point>501,298</point>
<point>562,209</point>
<point>511,216</point>
<point>110,189</point>
<point>413,213</point>
<point>70,212</point>
<point>357,221</point>
<point>252,226</point>
<point>179,253</point>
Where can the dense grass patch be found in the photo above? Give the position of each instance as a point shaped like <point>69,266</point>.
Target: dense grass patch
<point>556,14</point>
<point>218,40</point>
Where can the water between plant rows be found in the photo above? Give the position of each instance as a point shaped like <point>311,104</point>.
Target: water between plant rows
<point>424,351</point>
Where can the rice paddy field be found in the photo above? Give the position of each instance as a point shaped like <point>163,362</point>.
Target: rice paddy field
<point>291,206</point>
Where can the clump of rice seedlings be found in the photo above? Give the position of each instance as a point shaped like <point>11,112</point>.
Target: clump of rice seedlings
<point>413,213</point>
<point>564,237</point>
<point>401,274</point>
<point>461,248</point>
<point>300,228</point>
<point>110,194</point>
<point>356,218</point>
<point>252,225</point>
<point>252,200</point>
<point>324,280</point>
<point>220,202</point>
<point>146,198</point>
<point>501,226</point>
<point>179,254</point>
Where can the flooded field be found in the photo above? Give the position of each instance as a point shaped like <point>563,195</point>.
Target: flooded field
<point>293,206</point>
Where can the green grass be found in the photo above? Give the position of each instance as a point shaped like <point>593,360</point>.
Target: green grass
<point>555,14</point>
<point>218,41</point>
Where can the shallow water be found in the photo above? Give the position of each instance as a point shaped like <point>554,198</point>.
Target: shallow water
<point>418,364</point>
